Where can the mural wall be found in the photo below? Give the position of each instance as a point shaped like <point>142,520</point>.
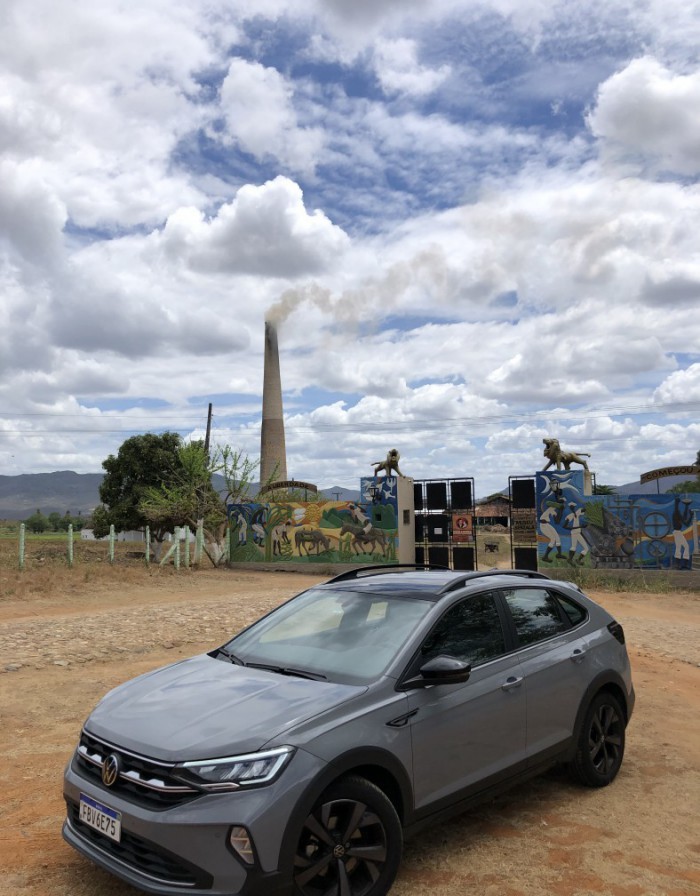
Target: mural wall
<point>614,531</point>
<point>324,531</point>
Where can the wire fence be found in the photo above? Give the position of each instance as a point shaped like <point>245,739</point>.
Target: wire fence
<point>182,551</point>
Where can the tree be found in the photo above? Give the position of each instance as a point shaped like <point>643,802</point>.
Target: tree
<point>143,462</point>
<point>37,522</point>
<point>604,489</point>
<point>190,497</point>
<point>692,486</point>
<point>55,520</point>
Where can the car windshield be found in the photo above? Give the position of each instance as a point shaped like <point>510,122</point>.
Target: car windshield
<point>339,635</point>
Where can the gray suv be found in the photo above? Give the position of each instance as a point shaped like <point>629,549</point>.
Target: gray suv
<point>297,756</point>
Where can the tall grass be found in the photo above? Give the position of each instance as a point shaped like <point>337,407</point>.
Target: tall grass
<point>47,573</point>
<point>639,581</point>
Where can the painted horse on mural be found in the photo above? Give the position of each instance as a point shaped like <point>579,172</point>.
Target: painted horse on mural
<point>362,538</point>
<point>314,537</point>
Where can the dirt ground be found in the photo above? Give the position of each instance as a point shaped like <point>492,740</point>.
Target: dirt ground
<point>63,645</point>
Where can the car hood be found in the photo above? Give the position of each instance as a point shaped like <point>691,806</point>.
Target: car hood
<point>203,708</point>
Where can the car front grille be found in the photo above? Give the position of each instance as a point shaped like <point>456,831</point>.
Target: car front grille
<point>141,856</point>
<point>141,780</point>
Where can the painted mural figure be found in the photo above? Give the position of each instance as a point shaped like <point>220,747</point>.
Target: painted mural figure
<point>280,536</point>
<point>258,533</point>
<point>681,519</point>
<point>549,517</point>
<point>360,517</point>
<point>242,529</point>
<point>575,521</point>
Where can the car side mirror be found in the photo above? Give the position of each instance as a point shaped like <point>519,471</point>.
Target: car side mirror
<point>440,670</point>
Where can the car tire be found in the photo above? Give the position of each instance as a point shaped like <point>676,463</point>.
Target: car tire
<point>601,742</point>
<point>350,843</point>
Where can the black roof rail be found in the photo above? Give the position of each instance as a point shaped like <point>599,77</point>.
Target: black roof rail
<point>479,574</point>
<point>383,568</point>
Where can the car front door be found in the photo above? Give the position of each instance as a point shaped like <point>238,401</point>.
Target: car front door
<point>465,733</point>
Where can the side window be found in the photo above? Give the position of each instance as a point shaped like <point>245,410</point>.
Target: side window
<point>470,631</point>
<point>573,611</point>
<point>535,613</point>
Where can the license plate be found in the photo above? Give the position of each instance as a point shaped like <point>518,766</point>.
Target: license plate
<point>101,818</point>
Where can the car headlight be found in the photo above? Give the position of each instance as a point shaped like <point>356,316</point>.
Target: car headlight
<point>234,772</point>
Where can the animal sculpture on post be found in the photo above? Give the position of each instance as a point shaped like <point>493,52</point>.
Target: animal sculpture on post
<point>555,456</point>
<point>391,463</point>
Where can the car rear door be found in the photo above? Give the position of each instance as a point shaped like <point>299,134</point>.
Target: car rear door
<point>553,654</point>
<point>465,733</point>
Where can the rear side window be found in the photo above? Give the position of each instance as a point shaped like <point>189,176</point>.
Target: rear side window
<point>536,614</point>
<point>573,611</point>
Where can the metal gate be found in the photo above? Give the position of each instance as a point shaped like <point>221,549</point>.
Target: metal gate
<point>444,523</point>
<point>523,522</point>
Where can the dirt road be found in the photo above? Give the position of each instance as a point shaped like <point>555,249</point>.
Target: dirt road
<point>639,837</point>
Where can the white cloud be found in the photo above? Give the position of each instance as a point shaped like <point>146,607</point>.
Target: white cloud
<point>32,217</point>
<point>257,103</point>
<point>462,278</point>
<point>648,111</point>
<point>265,230</point>
<point>398,69</point>
<point>681,388</point>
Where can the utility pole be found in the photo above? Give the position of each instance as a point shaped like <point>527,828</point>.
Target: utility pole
<point>208,435</point>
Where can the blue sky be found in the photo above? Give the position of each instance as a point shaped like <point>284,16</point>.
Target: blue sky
<point>476,224</point>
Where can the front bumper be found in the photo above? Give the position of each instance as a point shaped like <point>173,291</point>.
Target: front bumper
<point>185,848</point>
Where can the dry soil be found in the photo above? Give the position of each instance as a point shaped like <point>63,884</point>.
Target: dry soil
<point>63,646</point>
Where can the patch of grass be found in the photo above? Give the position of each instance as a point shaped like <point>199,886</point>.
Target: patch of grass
<point>636,580</point>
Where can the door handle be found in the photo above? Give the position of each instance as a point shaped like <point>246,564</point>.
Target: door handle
<point>578,655</point>
<point>511,683</point>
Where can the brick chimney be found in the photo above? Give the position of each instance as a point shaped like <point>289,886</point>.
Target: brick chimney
<point>273,453</point>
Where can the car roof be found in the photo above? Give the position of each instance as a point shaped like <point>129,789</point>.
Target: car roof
<point>426,583</point>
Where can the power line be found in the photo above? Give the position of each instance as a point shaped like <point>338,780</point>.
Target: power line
<point>389,426</point>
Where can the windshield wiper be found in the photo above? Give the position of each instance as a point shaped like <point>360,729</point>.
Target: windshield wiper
<point>288,670</point>
<point>230,656</point>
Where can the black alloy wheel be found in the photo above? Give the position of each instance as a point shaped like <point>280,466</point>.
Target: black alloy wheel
<point>350,844</point>
<point>601,745</point>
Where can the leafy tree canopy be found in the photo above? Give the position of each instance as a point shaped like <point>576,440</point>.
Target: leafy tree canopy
<point>37,522</point>
<point>143,462</point>
<point>189,496</point>
<point>692,486</point>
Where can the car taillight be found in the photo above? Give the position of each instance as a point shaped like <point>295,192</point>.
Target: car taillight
<point>617,631</point>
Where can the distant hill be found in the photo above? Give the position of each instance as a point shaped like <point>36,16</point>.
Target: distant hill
<point>658,486</point>
<point>78,493</point>
<point>56,492</point>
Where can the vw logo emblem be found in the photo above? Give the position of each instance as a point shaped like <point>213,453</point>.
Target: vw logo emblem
<point>110,770</point>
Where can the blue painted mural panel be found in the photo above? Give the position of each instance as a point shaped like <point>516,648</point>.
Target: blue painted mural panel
<point>613,531</point>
